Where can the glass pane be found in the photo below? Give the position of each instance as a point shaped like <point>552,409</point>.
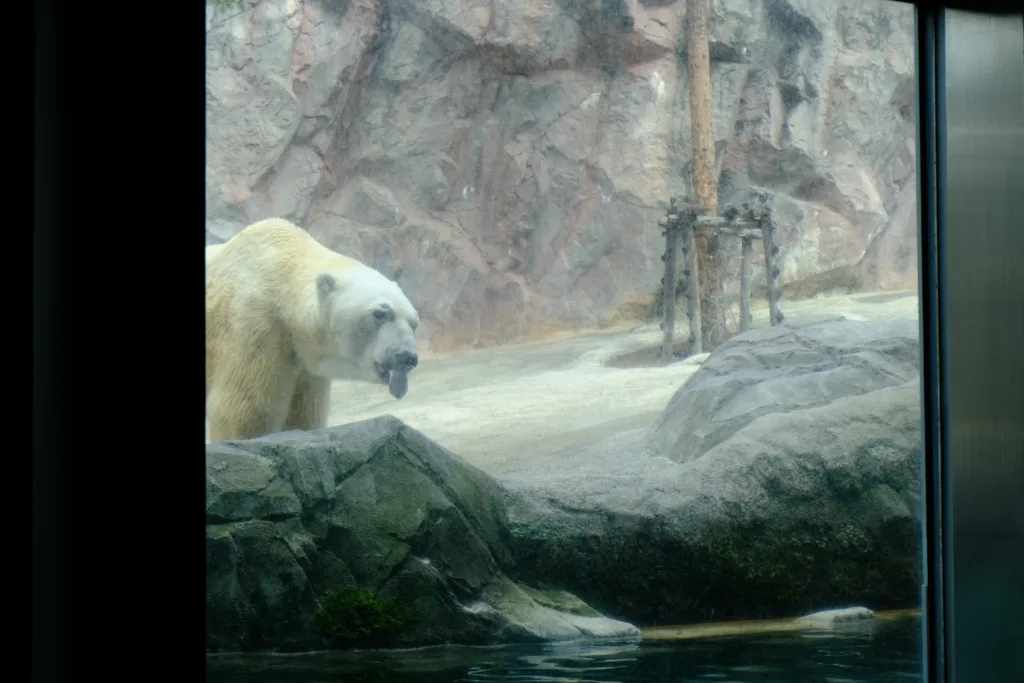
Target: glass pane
<point>463,410</point>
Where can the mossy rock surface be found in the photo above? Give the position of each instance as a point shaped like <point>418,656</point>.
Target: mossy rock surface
<point>352,616</point>
<point>365,535</point>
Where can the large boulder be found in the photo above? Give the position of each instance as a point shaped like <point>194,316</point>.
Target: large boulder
<point>295,518</point>
<point>766,509</point>
<point>780,369</point>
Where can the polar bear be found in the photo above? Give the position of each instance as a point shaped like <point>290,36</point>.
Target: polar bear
<point>285,316</point>
<point>211,251</point>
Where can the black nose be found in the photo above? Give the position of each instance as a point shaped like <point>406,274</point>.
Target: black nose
<point>406,359</point>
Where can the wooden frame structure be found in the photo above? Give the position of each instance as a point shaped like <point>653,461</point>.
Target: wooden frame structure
<point>754,222</point>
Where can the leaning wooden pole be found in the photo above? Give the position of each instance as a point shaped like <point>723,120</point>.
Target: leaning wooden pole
<point>747,248</point>
<point>668,282</point>
<point>770,265</point>
<point>692,272</point>
<point>705,176</point>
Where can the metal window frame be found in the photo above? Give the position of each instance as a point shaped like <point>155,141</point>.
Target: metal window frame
<point>970,74</point>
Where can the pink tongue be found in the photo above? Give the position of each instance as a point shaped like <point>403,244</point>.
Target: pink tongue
<point>398,384</point>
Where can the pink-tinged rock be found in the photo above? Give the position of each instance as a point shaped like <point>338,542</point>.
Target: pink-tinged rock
<point>508,161</point>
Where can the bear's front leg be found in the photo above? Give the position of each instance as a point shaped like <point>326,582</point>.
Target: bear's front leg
<point>250,398</point>
<point>310,403</point>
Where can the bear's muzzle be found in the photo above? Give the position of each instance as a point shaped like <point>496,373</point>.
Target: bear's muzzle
<point>395,373</point>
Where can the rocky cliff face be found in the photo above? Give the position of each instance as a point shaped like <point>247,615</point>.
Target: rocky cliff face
<point>507,161</point>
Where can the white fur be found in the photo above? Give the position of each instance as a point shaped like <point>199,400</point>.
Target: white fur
<point>211,251</point>
<point>276,336</point>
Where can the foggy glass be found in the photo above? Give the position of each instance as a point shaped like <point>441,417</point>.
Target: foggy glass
<point>514,167</point>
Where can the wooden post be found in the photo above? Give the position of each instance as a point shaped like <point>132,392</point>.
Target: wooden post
<point>705,175</point>
<point>747,248</point>
<point>692,284</point>
<point>771,271</point>
<point>668,283</point>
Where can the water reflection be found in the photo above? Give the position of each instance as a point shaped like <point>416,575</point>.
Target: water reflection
<point>885,651</point>
<point>567,662</point>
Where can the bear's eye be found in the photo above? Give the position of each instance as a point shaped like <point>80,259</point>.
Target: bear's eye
<point>382,315</point>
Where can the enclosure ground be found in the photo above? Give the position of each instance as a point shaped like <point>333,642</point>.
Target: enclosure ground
<point>510,409</point>
<point>649,357</point>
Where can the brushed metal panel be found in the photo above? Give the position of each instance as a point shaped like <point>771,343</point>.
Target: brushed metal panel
<point>981,262</point>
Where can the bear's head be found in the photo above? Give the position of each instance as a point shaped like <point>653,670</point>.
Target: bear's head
<point>372,327</point>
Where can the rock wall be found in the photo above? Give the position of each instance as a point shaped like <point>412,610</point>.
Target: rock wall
<point>507,161</point>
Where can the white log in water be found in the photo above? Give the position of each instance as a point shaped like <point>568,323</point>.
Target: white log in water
<point>835,617</point>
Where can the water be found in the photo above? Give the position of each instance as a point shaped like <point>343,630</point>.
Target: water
<point>883,652</point>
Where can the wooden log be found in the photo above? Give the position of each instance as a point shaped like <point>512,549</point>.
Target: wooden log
<point>668,289</point>
<point>745,257</point>
<point>754,233</point>
<point>692,289</point>
<point>721,222</point>
<point>705,175</point>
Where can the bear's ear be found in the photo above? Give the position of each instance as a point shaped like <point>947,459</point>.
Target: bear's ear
<point>325,284</point>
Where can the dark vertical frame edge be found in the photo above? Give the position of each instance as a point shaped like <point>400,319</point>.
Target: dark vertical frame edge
<point>49,365</point>
<point>942,554</point>
<point>930,125</point>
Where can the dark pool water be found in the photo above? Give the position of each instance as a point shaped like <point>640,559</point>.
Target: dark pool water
<point>882,652</point>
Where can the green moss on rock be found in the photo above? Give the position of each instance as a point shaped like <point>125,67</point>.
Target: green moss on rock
<point>356,617</point>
